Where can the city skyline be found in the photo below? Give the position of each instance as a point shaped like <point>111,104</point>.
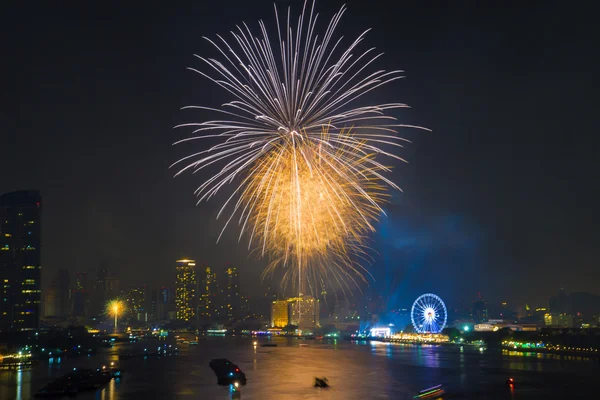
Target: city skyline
<point>498,191</point>
<point>394,199</point>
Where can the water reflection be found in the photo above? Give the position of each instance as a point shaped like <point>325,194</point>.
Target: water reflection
<point>19,384</point>
<point>366,370</point>
<point>108,392</point>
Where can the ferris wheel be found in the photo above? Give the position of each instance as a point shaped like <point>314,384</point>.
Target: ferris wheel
<point>428,314</point>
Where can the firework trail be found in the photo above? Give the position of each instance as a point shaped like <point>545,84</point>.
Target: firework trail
<point>307,208</point>
<point>293,104</point>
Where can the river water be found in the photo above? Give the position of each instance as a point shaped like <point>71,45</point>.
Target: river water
<point>355,371</point>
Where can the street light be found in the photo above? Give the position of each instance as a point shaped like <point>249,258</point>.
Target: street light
<point>114,308</point>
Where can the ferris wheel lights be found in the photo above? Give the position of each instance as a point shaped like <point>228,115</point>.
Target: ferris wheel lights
<point>428,314</point>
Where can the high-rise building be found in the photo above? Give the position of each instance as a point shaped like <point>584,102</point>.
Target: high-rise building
<point>164,302</point>
<point>135,300</point>
<point>559,304</point>
<point>20,260</point>
<point>111,287</point>
<point>185,290</point>
<point>280,313</point>
<point>208,305</point>
<point>480,312</point>
<point>152,305</point>
<point>232,293</point>
<point>304,312</point>
<point>106,288</point>
<point>56,299</point>
<point>80,295</point>
<point>245,309</point>
<point>558,320</point>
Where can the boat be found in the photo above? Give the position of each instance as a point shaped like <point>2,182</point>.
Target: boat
<point>58,388</point>
<point>269,345</point>
<point>303,345</point>
<point>430,393</point>
<point>79,380</point>
<point>227,372</point>
<point>321,382</point>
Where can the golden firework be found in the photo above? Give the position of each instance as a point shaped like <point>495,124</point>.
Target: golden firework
<point>309,207</point>
<point>115,308</point>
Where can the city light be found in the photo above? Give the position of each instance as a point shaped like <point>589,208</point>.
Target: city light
<point>380,332</point>
<point>420,338</point>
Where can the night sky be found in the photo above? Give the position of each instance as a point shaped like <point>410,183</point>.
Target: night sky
<point>501,198</point>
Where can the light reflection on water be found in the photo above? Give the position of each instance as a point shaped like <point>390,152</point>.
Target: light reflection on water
<point>19,384</point>
<point>355,370</point>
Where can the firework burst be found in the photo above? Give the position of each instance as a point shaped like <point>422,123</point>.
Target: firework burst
<point>271,136</point>
<point>313,209</point>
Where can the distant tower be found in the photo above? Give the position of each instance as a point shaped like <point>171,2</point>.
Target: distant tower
<point>185,290</point>
<point>480,312</point>
<point>305,312</point>
<point>164,303</point>
<point>232,292</point>
<point>280,313</point>
<point>80,295</point>
<point>20,260</point>
<point>136,300</point>
<point>207,294</point>
<point>56,303</point>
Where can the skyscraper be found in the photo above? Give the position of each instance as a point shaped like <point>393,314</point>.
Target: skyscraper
<point>280,313</point>
<point>164,303</point>
<point>20,260</point>
<point>185,289</point>
<point>480,312</point>
<point>136,300</point>
<point>152,305</point>
<point>208,306</point>
<point>106,288</point>
<point>232,292</point>
<point>305,312</point>
<point>56,303</point>
<point>80,295</point>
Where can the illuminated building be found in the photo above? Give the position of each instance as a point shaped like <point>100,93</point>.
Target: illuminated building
<point>20,260</point>
<point>304,312</point>
<point>419,338</point>
<point>232,292</point>
<point>245,306</point>
<point>280,313</point>
<point>485,327</point>
<point>135,300</point>
<point>381,332</point>
<point>56,299</point>
<point>558,320</point>
<point>185,290</point>
<point>208,305</point>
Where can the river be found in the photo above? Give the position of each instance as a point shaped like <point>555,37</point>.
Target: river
<point>359,370</point>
